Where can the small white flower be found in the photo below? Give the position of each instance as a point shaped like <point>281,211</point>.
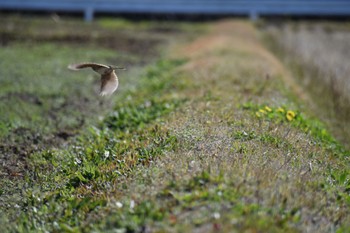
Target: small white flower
<point>192,164</point>
<point>216,215</point>
<point>119,204</point>
<point>147,104</point>
<point>77,161</point>
<point>132,204</point>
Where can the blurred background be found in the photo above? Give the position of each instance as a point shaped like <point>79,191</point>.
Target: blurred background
<point>252,8</point>
<point>312,37</point>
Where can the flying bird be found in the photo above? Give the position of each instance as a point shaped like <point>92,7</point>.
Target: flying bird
<point>109,79</point>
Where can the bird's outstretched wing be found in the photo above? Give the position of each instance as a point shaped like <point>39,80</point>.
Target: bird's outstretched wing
<point>99,68</point>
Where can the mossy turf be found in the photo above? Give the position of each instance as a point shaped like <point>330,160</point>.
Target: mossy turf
<point>203,136</point>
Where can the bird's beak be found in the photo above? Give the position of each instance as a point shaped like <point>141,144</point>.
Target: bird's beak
<point>117,68</point>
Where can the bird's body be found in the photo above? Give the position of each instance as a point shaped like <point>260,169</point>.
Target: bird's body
<point>109,79</point>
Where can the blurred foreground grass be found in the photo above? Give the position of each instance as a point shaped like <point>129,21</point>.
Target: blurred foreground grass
<point>198,140</point>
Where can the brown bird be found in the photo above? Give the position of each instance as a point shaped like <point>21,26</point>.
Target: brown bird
<point>109,79</point>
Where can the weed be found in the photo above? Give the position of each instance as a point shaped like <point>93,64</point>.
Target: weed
<point>298,120</point>
<point>129,117</point>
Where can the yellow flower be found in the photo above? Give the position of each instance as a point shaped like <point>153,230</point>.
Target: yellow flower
<point>262,111</point>
<point>290,115</point>
<point>268,109</point>
<point>280,110</point>
<point>257,114</point>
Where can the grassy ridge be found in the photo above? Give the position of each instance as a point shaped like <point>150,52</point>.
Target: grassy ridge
<point>202,140</point>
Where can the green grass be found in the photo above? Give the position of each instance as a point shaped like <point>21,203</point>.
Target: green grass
<point>33,91</point>
<point>297,119</point>
<point>320,135</point>
<point>186,144</point>
<point>46,100</point>
<point>65,182</point>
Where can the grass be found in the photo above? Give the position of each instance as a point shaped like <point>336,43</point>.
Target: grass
<point>70,179</point>
<point>321,67</point>
<point>200,140</point>
<point>29,101</point>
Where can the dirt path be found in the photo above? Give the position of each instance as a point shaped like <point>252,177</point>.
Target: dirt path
<point>242,38</point>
